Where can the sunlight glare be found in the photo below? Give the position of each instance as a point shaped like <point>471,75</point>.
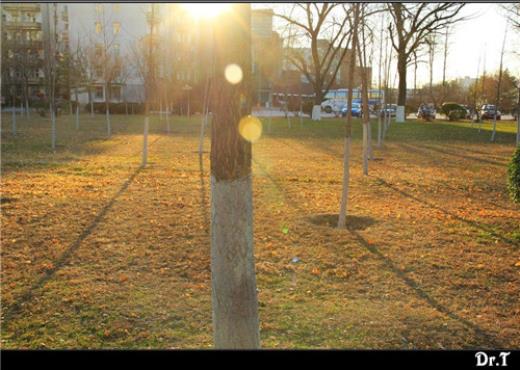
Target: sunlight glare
<point>206,10</point>
<point>233,73</point>
<point>250,128</point>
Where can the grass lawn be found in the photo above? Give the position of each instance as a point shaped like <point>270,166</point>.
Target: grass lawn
<point>98,253</point>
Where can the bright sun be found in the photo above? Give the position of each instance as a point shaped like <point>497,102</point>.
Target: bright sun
<point>205,10</point>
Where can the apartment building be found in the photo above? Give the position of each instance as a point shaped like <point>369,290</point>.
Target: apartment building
<point>28,29</point>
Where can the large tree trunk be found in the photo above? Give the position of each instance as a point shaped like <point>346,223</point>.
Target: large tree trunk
<point>316,109</point>
<point>348,125</point>
<point>233,279</point>
<point>401,95</point>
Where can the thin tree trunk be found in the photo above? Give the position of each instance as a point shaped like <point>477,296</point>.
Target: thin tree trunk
<point>493,134</point>
<point>77,107</point>
<point>107,112</point>
<point>13,119</point>
<point>27,113</point>
<point>145,143</point>
<point>91,102</point>
<point>233,280</point>
<point>53,126</point>
<point>348,124</point>
<point>364,100</point>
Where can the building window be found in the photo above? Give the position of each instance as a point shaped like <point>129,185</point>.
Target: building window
<point>116,7</point>
<point>99,92</point>
<point>99,8</point>
<point>98,71</point>
<point>117,27</point>
<point>99,27</point>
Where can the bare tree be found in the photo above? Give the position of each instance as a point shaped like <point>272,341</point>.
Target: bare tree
<point>412,23</point>
<point>348,121</point>
<point>499,83</point>
<point>51,40</point>
<point>328,38</point>
<point>108,60</point>
<point>79,72</point>
<point>512,12</point>
<point>233,280</point>
<point>364,90</point>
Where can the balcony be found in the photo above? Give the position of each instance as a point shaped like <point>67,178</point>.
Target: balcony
<point>35,7</point>
<point>23,24</point>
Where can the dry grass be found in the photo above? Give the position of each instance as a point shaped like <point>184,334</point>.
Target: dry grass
<point>97,253</point>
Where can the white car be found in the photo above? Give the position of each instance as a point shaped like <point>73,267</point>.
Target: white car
<point>332,105</point>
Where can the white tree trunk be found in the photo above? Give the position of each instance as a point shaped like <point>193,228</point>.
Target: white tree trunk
<point>365,149</point>
<point>234,295</point>
<point>77,116</point>
<point>379,131</point>
<point>53,128</point>
<point>493,134</point>
<point>27,107</point>
<point>109,125</point>
<point>400,114</point>
<point>369,141</point>
<point>145,143</point>
<point>316,113</point>
<point>346,178</point>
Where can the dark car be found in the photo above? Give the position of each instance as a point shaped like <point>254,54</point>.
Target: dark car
<point>487,111</point>
<point>427,112</point>
<point>356,110</point>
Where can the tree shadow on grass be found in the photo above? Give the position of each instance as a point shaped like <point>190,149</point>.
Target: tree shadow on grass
<point>16,307</point>
<point>425,148</point>
<point>474,224</point>
<point>491,340</point>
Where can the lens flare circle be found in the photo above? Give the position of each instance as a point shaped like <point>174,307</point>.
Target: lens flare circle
<point>250,128</point>
<point>233,73</point>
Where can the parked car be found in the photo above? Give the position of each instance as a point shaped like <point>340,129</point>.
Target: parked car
<point>487,111</point>
<point>356,110</point>
<point>388,109</point>
<point>331,105</point>
<point>427,112</point>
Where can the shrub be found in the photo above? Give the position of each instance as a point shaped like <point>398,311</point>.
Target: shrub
<point>513,171</point>
<point>453,111</point>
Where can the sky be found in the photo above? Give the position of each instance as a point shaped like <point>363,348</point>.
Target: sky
<point>472,39</point>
